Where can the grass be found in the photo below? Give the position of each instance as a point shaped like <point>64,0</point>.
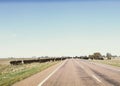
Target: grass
<point>10,74</point>
<point>113,62</point>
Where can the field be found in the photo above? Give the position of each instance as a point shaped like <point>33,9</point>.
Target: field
<point>4,61</point>
<point>10,74</point>
<point>113,62</point>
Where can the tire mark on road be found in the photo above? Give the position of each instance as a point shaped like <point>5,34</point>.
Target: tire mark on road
<point>106,78</point>
<point>88,78</point>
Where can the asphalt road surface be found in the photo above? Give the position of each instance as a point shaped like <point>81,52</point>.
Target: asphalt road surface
<point>76,72</point>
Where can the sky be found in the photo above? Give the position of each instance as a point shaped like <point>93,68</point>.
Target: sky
<point>59,28</point>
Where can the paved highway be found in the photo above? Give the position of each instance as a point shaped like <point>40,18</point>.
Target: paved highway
<point>76,72</point>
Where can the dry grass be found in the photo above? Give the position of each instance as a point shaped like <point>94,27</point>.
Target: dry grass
<point>10,74</point>
<point>113,62</point>
<point>4,61</point>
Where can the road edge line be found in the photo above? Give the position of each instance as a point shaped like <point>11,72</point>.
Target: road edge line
<point>41,83</point>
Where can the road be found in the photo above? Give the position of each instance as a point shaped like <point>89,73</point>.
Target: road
<point>76,72</point>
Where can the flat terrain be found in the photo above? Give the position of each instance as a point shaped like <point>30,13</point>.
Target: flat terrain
<point>10,74</point>
<point>75,72</point>
<point>113,62</point>
<point>4,61</point>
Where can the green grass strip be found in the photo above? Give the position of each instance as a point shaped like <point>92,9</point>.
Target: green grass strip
<point>10,78</point>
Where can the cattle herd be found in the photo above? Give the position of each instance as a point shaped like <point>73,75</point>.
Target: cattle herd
<point>18,62</point>
<point>41,60</point>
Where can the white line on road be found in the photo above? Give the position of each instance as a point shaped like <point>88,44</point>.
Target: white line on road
<point>96,78</point>
<point>106,66</point>
<point>89,72</point>
<point>80,65</point>
<point>40,84</point>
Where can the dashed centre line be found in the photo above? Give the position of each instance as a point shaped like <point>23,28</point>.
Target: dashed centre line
<point>96,78</point>
<point>92,74</point>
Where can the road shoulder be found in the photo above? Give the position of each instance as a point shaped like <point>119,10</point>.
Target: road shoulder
<point>37,78</point>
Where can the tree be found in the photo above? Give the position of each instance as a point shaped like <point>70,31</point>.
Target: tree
<point>97,55</point>
<point>108,55</point>
<point>91,57</point>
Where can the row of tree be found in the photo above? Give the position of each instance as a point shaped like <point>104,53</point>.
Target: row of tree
<point>98,56</point>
